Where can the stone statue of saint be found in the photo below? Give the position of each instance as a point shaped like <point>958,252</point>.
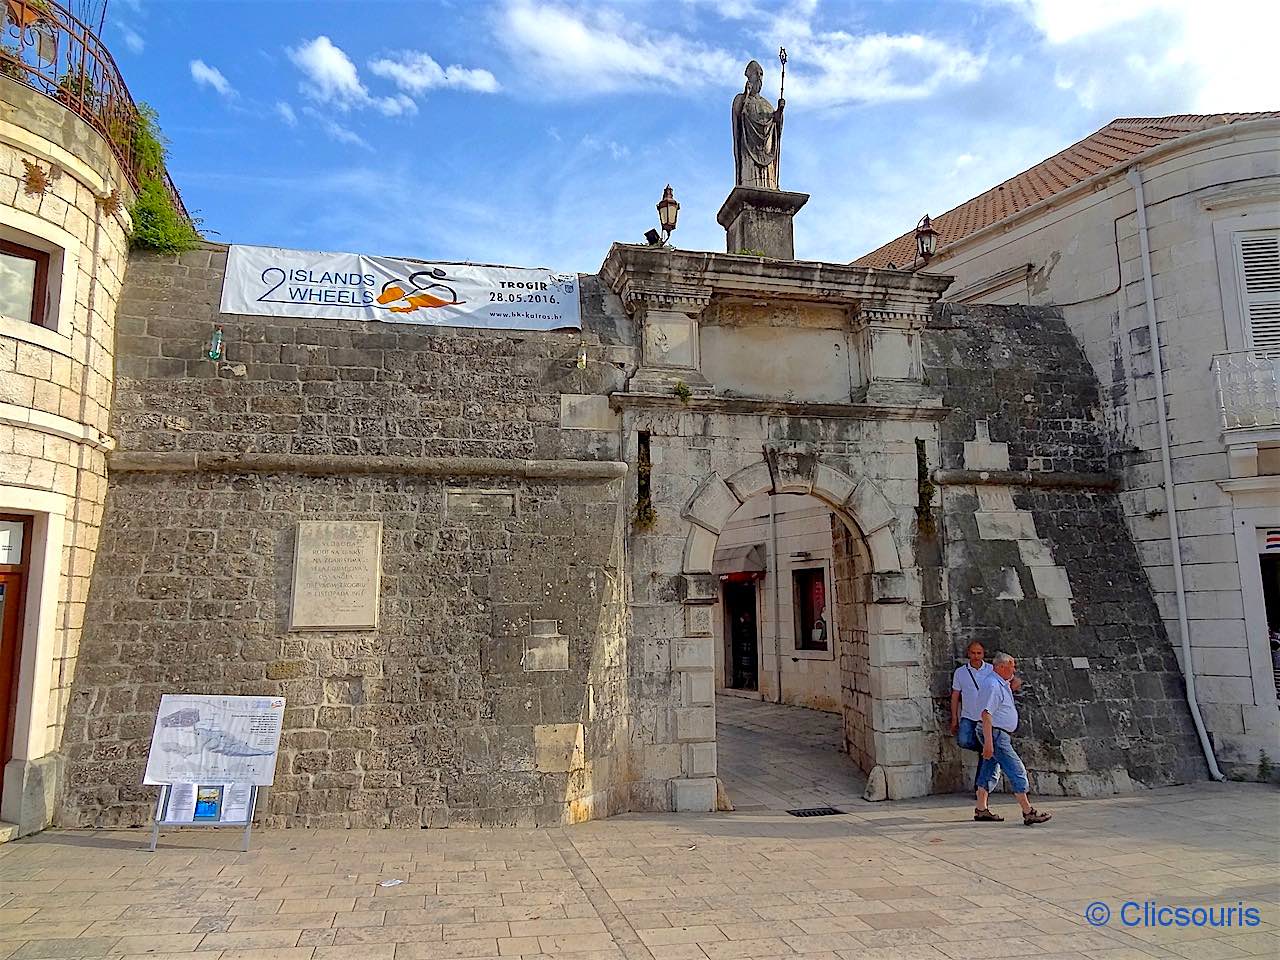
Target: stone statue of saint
<point>757,134</point>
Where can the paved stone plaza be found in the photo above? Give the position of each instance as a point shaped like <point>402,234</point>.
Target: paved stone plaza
<point>782,758</point>
<point>883,881</point>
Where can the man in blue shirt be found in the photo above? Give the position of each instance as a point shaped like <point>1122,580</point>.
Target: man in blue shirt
<point>999,721</point>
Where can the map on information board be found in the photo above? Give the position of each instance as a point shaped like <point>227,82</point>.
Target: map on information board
<point>211,739</point>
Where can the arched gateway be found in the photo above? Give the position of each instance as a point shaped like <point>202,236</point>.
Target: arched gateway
<point>762,378</point>
<point>883,676</point>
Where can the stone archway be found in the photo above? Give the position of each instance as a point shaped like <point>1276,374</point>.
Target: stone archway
<point>885,690</point>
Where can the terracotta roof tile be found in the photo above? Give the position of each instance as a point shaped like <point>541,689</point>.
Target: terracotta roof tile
<point>1115,145</point>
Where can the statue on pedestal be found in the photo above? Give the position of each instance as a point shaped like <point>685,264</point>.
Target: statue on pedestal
<point>757,133</point>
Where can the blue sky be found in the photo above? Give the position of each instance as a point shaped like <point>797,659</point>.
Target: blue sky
<point>536,133</point>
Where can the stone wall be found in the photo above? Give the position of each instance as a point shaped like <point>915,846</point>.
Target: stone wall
<point>493,690</point>
<point>55,390</point>
<point>546,646</point>
<point>1085,254</point>
<point>1040,564</point>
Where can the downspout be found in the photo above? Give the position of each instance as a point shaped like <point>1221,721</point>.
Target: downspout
<point>1134,176</point>
<point>777,601</point>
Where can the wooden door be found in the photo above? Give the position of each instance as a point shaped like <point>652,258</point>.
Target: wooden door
<point>10,658</point>
<point>15,556</point>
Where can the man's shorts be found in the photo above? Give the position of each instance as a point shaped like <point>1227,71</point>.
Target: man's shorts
<point>969,735</point>
<point>1004,760</point>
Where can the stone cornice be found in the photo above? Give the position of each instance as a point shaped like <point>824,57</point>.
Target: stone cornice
<point>14,415</point>
<point>630,267</point>
<point>328,465</point>
<point>1027,478</point>
<point>778,408</point>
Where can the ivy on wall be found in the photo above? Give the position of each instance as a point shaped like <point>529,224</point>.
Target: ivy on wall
<point>157,223</point>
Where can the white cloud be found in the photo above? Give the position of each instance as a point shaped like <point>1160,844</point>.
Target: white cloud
<point>577,51</point>
<point>596,51</point>
<point>1212,57</point>
<point>286,113</point>
<point>334,130</point>
<point>416,72</point>
<point>133,40</point>
<point>332,78</point>
<point>592,143</point>
<point>840,68</point>
<point>207,76</point>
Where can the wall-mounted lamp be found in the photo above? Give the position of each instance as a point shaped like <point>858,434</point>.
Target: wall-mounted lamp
<point>668,213</point>
<point>926,239</point>
<point>215,345</point>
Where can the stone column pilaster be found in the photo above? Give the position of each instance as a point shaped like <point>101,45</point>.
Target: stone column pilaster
<point>668,319</point>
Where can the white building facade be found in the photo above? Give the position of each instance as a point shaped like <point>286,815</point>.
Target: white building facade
<point>1179,238</point>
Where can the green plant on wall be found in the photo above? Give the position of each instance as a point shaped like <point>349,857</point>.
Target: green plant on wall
<point>75,85</point>
<point>681,390</point>
<point>644,517</point>
<point>157,224</point>
<point>926,522</point>
<point>11,62</point>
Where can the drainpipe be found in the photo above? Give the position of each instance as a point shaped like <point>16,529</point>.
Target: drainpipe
<point>1134,177</point>
<point>777,603</point>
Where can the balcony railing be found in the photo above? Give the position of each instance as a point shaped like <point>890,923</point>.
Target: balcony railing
<point>47,47</point>
<point>1248,388</point>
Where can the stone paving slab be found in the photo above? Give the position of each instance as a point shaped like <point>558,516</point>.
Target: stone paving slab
<point>913,880</point>
<point>775,757</point>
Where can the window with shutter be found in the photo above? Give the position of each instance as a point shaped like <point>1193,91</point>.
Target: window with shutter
<point>1258,259</point>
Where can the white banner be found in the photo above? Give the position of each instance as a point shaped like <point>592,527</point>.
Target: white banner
<point>210,740</point>
<point>271,282</point>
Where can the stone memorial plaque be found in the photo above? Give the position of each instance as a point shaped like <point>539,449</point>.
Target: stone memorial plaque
<point>337,566</point>
<point>466,504</point>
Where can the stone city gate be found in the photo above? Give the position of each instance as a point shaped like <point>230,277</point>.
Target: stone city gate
<point>883,674</point>
<point>759,378</point>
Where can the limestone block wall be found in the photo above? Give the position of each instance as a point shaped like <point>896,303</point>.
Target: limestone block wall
<point>1040,564</point>
<point>55,391</point>
<point>1085,254</point>
<point>493,690</point>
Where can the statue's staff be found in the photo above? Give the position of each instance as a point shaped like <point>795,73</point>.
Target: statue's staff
<point>782,85</point>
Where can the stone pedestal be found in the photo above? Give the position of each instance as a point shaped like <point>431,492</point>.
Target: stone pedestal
<point>758,222</point>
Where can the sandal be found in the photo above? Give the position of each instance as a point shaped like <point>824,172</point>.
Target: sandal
<point>1034,816</point>
<point>987,816</point>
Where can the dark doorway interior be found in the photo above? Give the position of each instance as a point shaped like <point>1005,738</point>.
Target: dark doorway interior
<point>740,611</point>
<point>1270,564</point>
<point>1271,589</point>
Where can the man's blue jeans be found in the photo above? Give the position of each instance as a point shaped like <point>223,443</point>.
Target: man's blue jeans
<point>969,735</point>
<point>1006,759</point>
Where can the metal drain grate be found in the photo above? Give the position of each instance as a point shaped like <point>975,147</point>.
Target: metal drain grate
<point>816,812</point>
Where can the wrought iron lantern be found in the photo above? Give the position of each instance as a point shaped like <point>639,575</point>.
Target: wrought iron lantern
<point>926,239</point>
<point>668,211</point>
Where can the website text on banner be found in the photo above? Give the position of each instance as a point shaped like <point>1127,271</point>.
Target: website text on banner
<point>271,282</point>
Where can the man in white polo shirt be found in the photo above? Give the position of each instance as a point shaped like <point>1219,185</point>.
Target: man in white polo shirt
<point>966,697</point>
<point>999,721</point>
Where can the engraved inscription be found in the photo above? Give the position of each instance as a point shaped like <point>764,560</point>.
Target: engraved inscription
<point>337,565</point>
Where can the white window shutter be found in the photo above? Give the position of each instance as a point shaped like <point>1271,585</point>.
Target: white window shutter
<point>1258,260</point>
